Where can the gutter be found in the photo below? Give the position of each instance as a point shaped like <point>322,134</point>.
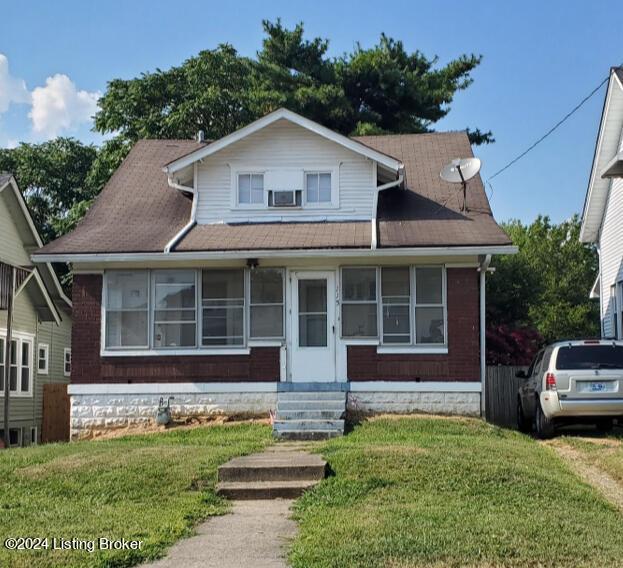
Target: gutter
<point>375,203</point>
<point>193,213</point>
<point>483,269</point>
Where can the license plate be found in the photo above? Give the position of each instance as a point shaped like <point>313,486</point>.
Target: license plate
<point>598,387</point>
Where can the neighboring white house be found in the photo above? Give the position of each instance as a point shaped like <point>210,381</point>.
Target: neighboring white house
<point>602,219</point>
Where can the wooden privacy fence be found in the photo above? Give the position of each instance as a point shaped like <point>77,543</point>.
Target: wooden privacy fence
<point>501,395</point>
<point>55,427</point>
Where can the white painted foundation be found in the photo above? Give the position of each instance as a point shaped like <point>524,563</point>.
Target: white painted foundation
<point>460,403</point>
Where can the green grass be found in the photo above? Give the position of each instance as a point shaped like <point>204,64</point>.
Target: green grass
<point>606,454</point>
<point>151,488</point>
<point>431,492</point>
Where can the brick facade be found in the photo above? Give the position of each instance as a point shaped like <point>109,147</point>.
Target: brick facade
<point>88,367</point>
<point>462,363</point>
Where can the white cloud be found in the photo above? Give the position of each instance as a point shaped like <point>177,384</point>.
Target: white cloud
<point>60,106</point>
<point>12,89</point>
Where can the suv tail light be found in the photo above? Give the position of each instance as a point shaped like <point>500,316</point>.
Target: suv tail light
<point>550,382</point>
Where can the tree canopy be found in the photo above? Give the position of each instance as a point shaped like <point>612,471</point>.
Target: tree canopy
<point>544,288</point>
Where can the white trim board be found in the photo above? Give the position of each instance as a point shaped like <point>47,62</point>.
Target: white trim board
<point>282,114</point>
<point>244,387</point>
<point>274,253</point>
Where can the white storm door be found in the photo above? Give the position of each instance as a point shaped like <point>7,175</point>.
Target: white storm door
<point>313,326</point>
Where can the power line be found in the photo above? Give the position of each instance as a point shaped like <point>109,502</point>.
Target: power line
<point>550,131</point>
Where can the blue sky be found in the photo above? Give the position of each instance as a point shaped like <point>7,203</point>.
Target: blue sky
<point>540,59</point>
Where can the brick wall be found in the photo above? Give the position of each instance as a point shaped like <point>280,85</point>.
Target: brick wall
<point>88,367</point>
<point>463,359</point>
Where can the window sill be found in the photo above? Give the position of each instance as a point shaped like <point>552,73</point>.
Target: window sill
<point>177,352</point>
<point>412,350</point>
<point>17,395</point>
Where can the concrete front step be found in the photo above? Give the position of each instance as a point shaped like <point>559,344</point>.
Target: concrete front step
<point>264,489</point>
<point>312,395</point>
<point>273,467</point>
<point>283,425</point>
<point>309,414</point>
<point>286,405</point>
<point>306,434</point>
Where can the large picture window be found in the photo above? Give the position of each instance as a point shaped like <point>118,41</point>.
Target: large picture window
<point>222,301</point>
<point>20,366</point>
<point>127,309</point>
<point>174,308</point>
<point>359,302</point>
<point>266,303</point>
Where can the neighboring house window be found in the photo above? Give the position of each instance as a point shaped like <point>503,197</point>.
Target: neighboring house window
<point>20,366</point>
<point>127,295</point>
<point>222,302</point>
<point>396,304</point>
<point>429,305</point>
<point>43,352</point>
<point>67,362</point>
<point>266,303</point>
<point>318,187</point>
<point>359,302</point>
<point>174,313</point>
<point>250,189</point>
<point>34,439</point>
<point>15,437</point>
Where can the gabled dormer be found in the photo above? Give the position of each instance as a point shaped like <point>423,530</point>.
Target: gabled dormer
<point>283,167</point>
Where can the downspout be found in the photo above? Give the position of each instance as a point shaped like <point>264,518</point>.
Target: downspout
<point>375,203</point>
<point>193,214</point>
<point>483,268</point>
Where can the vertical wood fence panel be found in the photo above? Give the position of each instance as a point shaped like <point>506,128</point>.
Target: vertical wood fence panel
<point>501,395</point>
<point>56,408</point>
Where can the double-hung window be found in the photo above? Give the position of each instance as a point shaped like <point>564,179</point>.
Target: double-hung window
<point>67,362</point>
<point>318,187</point>
<point>266,303</point>
<point>359,302</point>
<point>429,305</point>
<point>43,355</point>
<point>251,189</point>
<point>174,302</point>
<point>127,309</point>
<point>20,366</point>
<point>396,304</point>
<point>222,302</point>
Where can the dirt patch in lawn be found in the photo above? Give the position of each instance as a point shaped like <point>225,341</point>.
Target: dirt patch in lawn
<point>594,476</point>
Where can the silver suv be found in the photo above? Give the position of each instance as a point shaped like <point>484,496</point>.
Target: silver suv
<point>572,381</point>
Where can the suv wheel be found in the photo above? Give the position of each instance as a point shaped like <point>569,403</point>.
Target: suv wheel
<point>544,426</point>
<point>605,424</point>
<point>523,425</point>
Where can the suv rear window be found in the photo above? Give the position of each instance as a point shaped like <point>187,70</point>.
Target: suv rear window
<point>590,357</point>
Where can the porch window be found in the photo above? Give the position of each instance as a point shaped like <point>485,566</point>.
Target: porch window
<point>359,302</point>
<point>174,308</point>
<point>266,303</point>
<point>127,309</point>
<point>396,304</point>
<point>222,301</point>
<point>251,189</point>
<point>318,187</point>
<point>429,305</point>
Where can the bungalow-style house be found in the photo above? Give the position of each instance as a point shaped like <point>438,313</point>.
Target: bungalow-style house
<point>40,348</point>
<point>602,218</point>
<point>285,267</point>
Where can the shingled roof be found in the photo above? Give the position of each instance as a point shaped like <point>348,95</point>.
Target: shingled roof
<point>138,212</point>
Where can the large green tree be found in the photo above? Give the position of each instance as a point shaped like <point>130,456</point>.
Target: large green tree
<point>545,286</point>
<point>380,89</point>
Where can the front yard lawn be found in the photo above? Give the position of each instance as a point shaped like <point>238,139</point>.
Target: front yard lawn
<point>604,453</point>
<point>151,488</point>
<point>451,492</point>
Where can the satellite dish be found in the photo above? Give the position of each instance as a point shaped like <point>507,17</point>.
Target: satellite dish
<point>460,170</point>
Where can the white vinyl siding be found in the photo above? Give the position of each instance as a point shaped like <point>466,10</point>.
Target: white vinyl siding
<point>611,254</point>
<point>284,146</point>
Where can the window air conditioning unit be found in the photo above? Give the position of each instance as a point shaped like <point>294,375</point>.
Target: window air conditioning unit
<point>285,198</point>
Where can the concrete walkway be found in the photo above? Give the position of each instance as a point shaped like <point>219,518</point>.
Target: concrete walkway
<point>255,534</point>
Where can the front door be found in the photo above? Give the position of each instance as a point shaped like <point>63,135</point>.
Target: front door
<point>313,326</point>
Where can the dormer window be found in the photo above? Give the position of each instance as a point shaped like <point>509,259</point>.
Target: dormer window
<point>318,187</point>
<point>251,189</point>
